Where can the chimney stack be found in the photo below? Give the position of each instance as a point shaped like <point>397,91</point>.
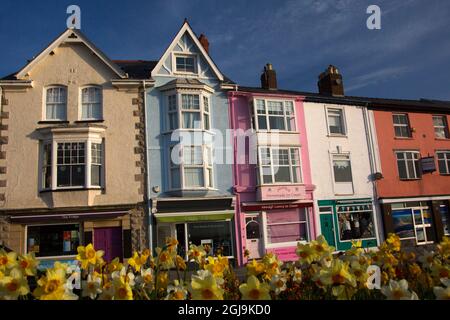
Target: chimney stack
<point>330,82</point>
<point>269,78</point>
<point>204,42</point>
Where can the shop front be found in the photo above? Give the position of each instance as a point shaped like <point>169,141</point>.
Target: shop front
<point>56,237</point>
<point>420,222</point>
<point>276,227</point>
<point>344,221</point>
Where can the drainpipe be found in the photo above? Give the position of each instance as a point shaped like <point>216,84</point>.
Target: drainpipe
<point>373,167</point>
<point>147,175</point>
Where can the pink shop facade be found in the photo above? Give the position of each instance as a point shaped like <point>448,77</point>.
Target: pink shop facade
<point>272,179</point>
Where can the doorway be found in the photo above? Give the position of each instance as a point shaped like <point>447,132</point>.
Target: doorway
<point>254,241</point>
<point>110,241</point>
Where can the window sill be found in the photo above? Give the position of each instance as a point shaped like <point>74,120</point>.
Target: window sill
<point>277,131</point>
<point>71,189</point>
<point>53,122</point>
<point>90,121</point>
<point>285,244</point>
<point>403,138</point>
<point>330,135</point>
<point>406,180</point>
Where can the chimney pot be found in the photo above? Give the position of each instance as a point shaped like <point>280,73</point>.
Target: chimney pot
<point>330,82</point>
<point>204,42</point>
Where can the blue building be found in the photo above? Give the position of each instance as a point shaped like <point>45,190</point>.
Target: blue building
<point>189,177</point>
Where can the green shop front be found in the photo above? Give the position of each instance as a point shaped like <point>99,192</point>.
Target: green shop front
<point>208,223</point>
<point>345,220</point>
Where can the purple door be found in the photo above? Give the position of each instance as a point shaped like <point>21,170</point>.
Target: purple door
<point>110,241</point>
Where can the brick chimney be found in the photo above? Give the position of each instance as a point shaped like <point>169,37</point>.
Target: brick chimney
<point>204,42</point>
<point>330,82</point>
<point>269,78</point>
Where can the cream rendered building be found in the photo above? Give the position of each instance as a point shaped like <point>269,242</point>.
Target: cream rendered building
<point>72,160</point>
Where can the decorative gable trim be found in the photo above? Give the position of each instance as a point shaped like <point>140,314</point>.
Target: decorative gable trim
<point>71,36</point>
<point>186,28</point>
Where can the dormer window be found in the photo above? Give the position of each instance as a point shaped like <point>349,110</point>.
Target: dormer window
<point>185,63</point>
<point>56,103</point>
<point>91,103</point>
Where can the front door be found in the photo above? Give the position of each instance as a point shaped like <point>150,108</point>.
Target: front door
<point>326,223</point>
<point>254,242</point>
<point>110,241</point>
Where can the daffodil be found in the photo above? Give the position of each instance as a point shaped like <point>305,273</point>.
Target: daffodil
<point>171,244</point>
<point>8,260</point>
<point>255,268</point>
<point>306,253</point>
<point>443,293</point>
<point>28,264</point>
<point>146,278</point>
<point>278,283</point>
<point>297,275</point>
<point>125,276</point>
<point>398,290</point>
<point>89,257</point>
<point>114,265</point>
<point>122,289</point>
<point>439,271</point>
<point>196,253</point>
<point>321,246</point>
<point>53,286</point>
<point>444,247</point>
<point>360,273</point>
<point>137,261</point>
<point>393,242</point>
<point>272,265</point>
<point>92,286</point>
<point>254,289</point>
<point>337,274</point>
<point>107,291</point>
<point>204,287</point>
<point>217,266</point>
<point>163,279</point>
<point>181,264</point>
<point>13,285</point>
<point>177,291</point>
<point>165,259</point>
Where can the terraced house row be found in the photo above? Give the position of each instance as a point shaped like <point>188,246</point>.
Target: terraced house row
<point>91,152</point>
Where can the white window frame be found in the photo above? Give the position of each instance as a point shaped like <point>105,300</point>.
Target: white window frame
<point>272,165</point>
<point>88,164</point>
<point>446,154</point>
<point>100,103</point>
<point>45,102</point>
<point>407,125</point>
<point>336,185</point>
<point>206,165</point>
<point>269,245</point>
<point>343,121</point>
<point>179,110</point>
<point>443,127</point>
<point>176,55</point>
<point>417,175</point>
<point>80,224</point>
<point>285,116</point>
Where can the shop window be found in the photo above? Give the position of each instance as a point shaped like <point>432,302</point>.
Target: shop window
<point>403,223</point>
<point>53,240</point>
<point>413,222</point>
<point>215,236</point>
<point>287,226</point>
<point>445,216</point>
<point>355,222</point>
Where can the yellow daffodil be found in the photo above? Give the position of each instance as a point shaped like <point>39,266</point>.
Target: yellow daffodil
<point>255,268</point>
<point>337,274</point>
<point>443,293</point>
<point>8,260</point>
<point>124,276</point>
<point>146,278</point>
<point>278,283</point>
<point>444,247</point>
<point>107,291</point>
<point>165,259</point>
<point>177,291</point>
<point>306,253</point>
<point>398,290</point>
<point>163,279</point>
<point>414,269</point>
<point>171,244</point>
<point>254,289</point>
<point>196,253</point>
<point>321,246</point>
<point>114,265</point>
<point>53,286</point>
<point>272,265</point>
<point>427,259</point>
<point>204,287</point>
<point>89,257</point>
<point>297,275</point>
<point>360,273</point>
<point>217,266</point>
<point>181,264</point>
<point>137,261</point>
<point>122,289</point>
<point>28,264</point>
<point>13,285</point>
<point>393,242</point>
<point>92,287</point>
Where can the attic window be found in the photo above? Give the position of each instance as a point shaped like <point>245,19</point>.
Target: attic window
<point>185,64</point>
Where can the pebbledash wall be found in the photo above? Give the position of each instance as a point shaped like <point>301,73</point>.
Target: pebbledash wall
<point>274,208</point>
<point>191,201</point>
<point>42,212</point>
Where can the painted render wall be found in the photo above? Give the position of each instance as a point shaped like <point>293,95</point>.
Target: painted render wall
<point>26,110</point>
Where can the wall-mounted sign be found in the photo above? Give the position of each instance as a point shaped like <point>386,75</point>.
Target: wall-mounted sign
<point>281,193</point>
<point>274,206</point>
<point>427,164</point>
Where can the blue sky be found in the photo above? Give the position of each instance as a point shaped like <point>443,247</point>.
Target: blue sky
<point>408,58</point>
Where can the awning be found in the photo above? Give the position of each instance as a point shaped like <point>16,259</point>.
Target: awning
<point>194,216</point>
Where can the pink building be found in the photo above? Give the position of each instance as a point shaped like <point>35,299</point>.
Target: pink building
<point>272,179</point>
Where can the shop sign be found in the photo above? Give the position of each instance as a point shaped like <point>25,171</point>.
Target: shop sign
<point>273,206</point>
<point>281,193</point>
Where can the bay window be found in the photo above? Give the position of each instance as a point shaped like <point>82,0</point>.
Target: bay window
<point>274,115</point>
<point>408,165</point>
<point>193,169</point>
<point>279,165</point>
<point>188,111</point>
<point>91,103</point>
<point>71,164</point>
<point>56,103</point>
